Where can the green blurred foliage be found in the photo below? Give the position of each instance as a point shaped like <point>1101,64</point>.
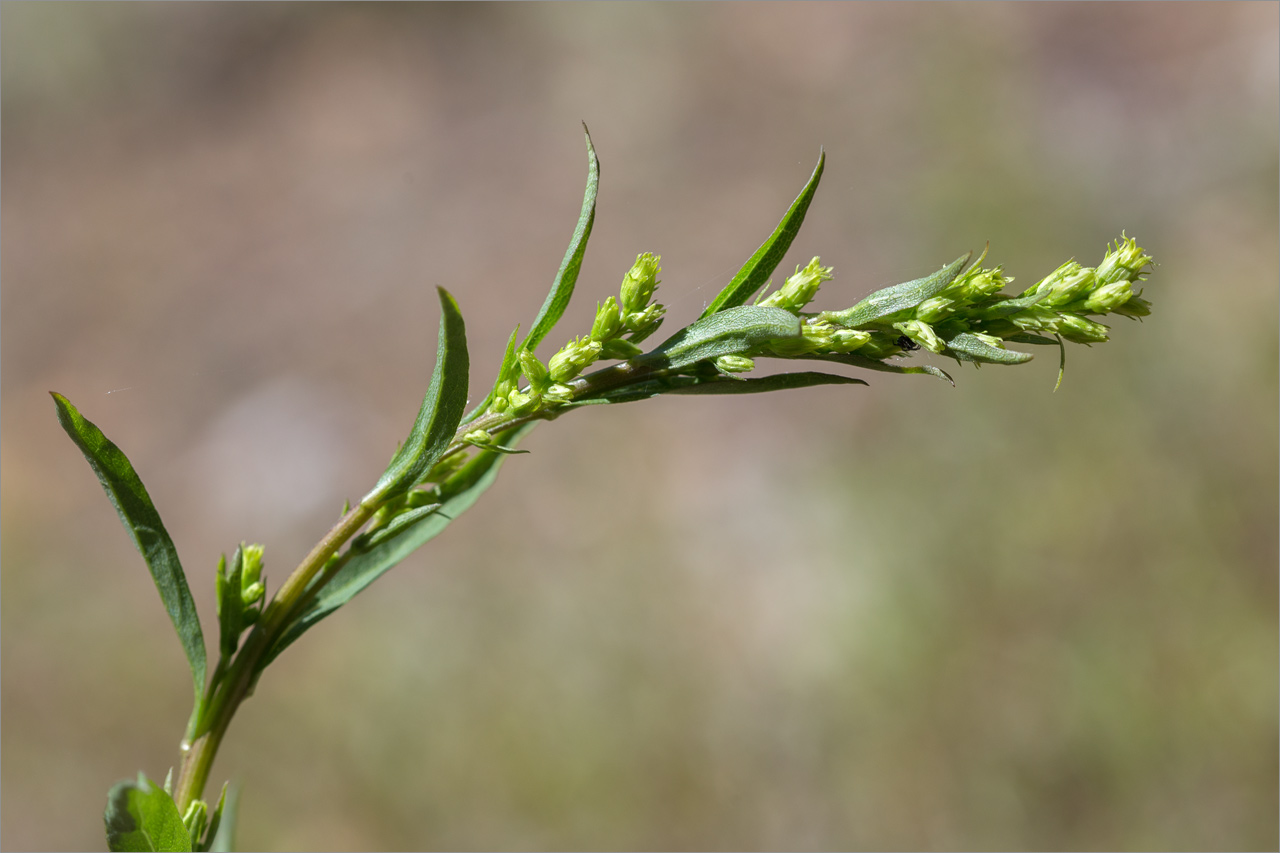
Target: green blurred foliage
<point>779,622</point>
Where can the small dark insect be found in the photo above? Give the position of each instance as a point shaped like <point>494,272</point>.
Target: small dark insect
<point>906,343</point>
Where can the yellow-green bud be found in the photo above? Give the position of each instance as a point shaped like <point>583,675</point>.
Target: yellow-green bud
<point>573,359</point>
<point>1123,262</point>
<point>1073,327</point>
<point>478,436</point>
<point>921,333</point>
<point>734,364</point>
<point>848,340</point>
<point>642,323</point>
<point>800,288</point>
<point>979,283</point>
<point>640,282</point>
<point>608,322</point>
<point>1066,284</point>
<point>535,371</point>
<point>935,309</point>
<point>1109,297</point>
<point>522,403</point>
<point>558,393</point>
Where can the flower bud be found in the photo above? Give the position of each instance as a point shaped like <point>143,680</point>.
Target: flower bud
<point>1123,262</point>
<point>522,403</point>
<point>1067,284</point>
<point>1073,327</point>
<point>935,309</point>
<point>921,333</point>
<point>848,340</point>
<point>535,371</point>
<point>1109,297</point>
<point>734,364</point>
<point>252,565</point>
<point>978,284</point>
<point>799,289</point>
<point>573,359</point>
<point>608,322</point>
<point>641,324</point>
<point>558,393</point>
<point>478,436</point>
<point>639,283</point>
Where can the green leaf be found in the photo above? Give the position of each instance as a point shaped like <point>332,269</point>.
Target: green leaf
<point>222,827</point>
<point>1005,307</point>
<point>756,271</point>
<point>142,817</point>
<point>763,384</point>
<point>899,297</point>
<point>441,411</point>
<point>854,360</point>
<point>215,822</point>
<point>127,494</point>
<point>562,288</point>
<point>230,604</point>
<point>458,494</point>
<point>732,331</point>
<point>969,347</point>
<point>714,385</point>
<point>508,372</point>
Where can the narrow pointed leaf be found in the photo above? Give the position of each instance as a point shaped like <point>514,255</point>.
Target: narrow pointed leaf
<point>756,271</point>
<point>562,288</point>
<point>1005,307</point>
<point>854,360</point>
<point>441,411</point>
<point>138,515</point>
<point>763,384</point>
<point>508,371</point>
<point>899,297</point>
<point>230,604</point>
<point>968,347</point>
<point>222,839</point>
<point>732,331</point>
<point>215,822</point>
<point>715,385</point>
<point>458,493</point>
<point>141,817</point>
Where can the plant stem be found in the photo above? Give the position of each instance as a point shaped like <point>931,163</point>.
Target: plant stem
<point>228,690</point>
<point>240,677</point>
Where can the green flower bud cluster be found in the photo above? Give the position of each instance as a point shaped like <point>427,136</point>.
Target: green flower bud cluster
<point>619,325</point>
<point>970,311</point>
<point>799,289</point>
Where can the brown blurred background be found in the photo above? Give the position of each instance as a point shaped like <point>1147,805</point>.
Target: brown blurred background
<point>902,616</point>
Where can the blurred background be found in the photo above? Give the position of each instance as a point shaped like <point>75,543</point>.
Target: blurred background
<point>898,616</point>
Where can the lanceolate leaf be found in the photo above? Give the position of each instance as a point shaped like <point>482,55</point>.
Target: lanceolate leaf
<point>762,384</point>
<point>127,494</point>
<point>968,347</point>
<point>441,411</point>
<point>756,271</point>
<point>855,360</point>
<point>732,331</point>
<point>141,817</point>
<point>509,370</point>
<point>458,494</point>
<point>899,297</point>
<point>716,385</point>
<point>562,288</point>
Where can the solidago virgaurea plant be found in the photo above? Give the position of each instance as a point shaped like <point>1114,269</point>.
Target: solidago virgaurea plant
<point>452,455</point>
